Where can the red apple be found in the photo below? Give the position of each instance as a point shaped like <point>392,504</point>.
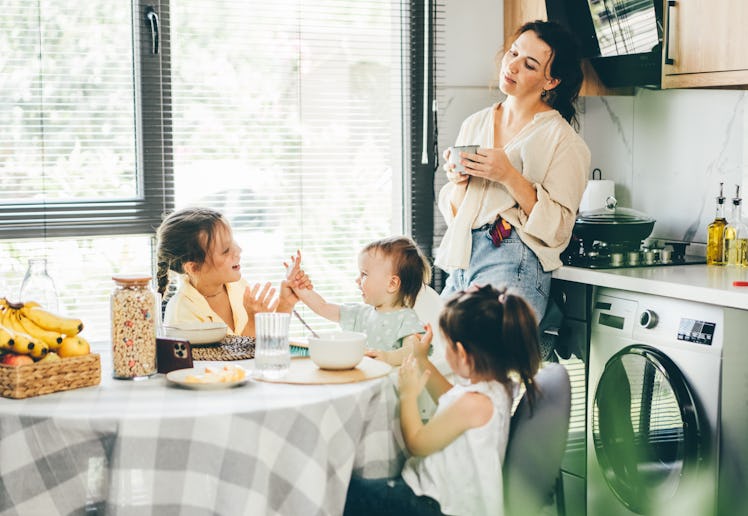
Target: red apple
<point>15,360</point>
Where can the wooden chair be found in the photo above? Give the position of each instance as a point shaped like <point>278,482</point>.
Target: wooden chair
<point>536,444</point>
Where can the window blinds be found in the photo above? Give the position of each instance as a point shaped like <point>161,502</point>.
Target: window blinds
<point>288,118</point>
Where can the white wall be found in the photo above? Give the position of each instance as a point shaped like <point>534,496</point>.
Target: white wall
<point>667,150</point>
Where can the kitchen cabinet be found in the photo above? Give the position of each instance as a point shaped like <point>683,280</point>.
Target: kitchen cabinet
<point>705,44</point>
<point>517,12</point>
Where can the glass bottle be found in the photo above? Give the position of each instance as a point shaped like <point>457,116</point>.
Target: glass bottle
<point>736,234</point>
<point>134,326</point>
<point>38,286</point>
<point>715,251</point>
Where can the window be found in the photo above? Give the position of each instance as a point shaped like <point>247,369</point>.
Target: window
<point>74,190</point>
<point>289,116</point>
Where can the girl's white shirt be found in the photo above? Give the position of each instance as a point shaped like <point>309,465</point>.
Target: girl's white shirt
<point>465,477</point>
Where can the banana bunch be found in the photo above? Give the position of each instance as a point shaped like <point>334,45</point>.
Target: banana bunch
<point>28,329</point>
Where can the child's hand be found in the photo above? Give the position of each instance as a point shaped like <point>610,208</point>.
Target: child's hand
<point>296,277</point>
<point>256,300</point>
<point>390,357</point>
<point>287,298</point>
<point>300,281</point>
<point>411,380</point>
<point>374,353</point>
<point>422,343</point>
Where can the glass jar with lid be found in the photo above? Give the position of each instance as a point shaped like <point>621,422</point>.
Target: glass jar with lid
<point>134,326</point>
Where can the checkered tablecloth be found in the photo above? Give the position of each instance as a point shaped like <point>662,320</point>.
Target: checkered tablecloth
<point>146,448</point>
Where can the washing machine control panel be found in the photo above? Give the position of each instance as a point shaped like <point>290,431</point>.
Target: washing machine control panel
<point>691,330</point>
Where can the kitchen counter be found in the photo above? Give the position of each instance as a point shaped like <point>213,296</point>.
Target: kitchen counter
<point>701,283</point>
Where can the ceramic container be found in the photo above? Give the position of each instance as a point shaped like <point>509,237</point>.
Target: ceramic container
<point>337,350</point>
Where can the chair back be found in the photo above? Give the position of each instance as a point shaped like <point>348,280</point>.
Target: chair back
<point>536,444</point>
<point>428,307</point>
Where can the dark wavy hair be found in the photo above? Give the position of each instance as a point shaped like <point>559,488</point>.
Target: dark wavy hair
<point>185,236</point>
<point>566,66</point>
<point>498,331</point>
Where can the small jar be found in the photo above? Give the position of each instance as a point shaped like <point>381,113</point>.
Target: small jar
<point>134,324</point>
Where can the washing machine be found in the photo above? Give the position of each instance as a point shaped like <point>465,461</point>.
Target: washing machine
<point>656,443</point>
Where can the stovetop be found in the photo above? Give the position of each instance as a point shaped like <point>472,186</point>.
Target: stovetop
<point>603,255</point>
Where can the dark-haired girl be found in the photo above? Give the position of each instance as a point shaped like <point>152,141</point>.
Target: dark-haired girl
<point>511,213</point>
<point>456,458</point>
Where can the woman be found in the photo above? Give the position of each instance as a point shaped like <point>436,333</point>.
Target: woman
<point>511,213</point>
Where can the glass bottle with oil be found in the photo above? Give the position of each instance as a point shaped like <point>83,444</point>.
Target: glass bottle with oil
<point>736,234</point>
<point>715,247</point>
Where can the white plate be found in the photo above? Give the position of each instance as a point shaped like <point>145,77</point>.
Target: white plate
<point>179,376</point>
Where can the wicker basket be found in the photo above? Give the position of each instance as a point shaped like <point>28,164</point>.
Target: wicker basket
<point>46,377</point>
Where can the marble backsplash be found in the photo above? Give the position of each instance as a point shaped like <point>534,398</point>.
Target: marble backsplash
<point>668,150</point>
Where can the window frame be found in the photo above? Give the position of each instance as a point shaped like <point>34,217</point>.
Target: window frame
<point>142,213</point>
<point>419,176</point>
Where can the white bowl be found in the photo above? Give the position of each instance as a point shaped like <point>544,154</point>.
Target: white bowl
<point>337,350</point>
<point>196,332</point>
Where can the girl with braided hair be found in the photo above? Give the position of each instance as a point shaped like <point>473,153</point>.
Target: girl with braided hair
<point>198,245</point>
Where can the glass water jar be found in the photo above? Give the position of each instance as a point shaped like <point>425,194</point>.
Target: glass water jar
<point>38,286</point>
<point>134,325</point>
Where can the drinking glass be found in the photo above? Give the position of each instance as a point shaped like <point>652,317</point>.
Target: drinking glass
<point>272,351</point>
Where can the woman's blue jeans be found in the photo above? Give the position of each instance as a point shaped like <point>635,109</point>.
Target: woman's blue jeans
<point>512,265</point>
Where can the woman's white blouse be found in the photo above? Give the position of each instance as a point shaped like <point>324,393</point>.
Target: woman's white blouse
<point>549,154</point>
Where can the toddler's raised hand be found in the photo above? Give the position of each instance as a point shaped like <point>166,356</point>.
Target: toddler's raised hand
<point>411,379</point>
<point>297,279</point>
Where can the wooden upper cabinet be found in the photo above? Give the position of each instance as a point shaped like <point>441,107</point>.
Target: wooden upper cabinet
<point>517,12</point>
<point>707,43</point>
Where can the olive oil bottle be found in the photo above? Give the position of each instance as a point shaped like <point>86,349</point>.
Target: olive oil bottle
<point>715,244</point>
<point>736,234</point>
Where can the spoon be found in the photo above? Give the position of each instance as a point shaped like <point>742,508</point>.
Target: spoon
<point>314,333</point>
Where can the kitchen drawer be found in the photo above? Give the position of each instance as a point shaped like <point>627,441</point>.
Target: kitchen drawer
<point>572,298</point>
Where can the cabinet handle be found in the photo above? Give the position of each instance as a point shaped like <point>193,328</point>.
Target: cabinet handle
<point>668,60</point>
<point>151,20</point>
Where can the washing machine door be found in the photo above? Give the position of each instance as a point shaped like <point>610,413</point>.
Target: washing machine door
<point>646,430</point>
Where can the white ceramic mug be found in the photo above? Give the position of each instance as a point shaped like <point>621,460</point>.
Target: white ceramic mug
<point>454,155</point>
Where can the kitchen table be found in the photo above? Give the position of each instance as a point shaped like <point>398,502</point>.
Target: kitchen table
<point>145,447</point>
